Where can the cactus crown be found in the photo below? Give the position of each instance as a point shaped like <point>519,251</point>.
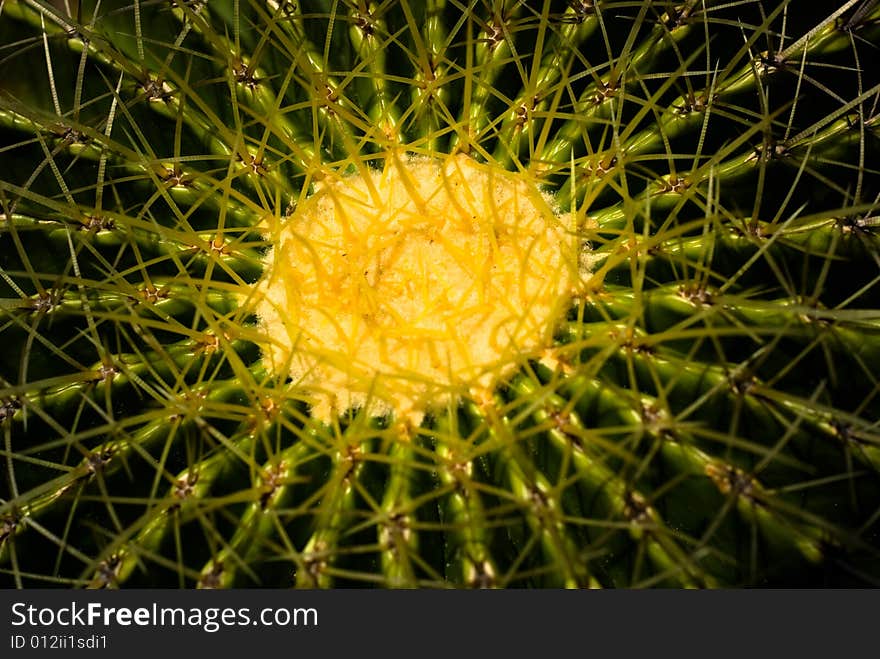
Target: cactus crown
<point>646,354</point>
<point>399,291</point>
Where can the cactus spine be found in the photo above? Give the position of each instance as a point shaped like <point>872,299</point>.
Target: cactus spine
<point>700,409</point>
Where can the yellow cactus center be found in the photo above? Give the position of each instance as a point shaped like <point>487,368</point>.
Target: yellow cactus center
<point>398,290</point>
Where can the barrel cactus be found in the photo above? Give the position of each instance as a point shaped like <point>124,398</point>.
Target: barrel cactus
<point>503,293</point>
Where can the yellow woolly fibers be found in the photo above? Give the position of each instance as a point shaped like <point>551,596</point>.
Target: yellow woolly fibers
<point>398,289</point>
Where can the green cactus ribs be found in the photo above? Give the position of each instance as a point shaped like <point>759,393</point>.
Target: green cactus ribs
<point>662,215</point>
